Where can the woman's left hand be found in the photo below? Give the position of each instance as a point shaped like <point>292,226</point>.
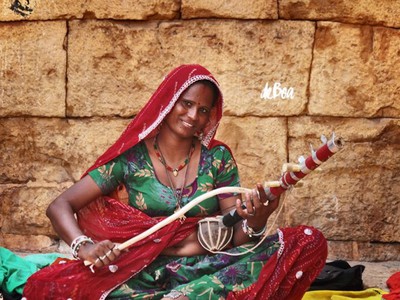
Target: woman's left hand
<point>258,208</point>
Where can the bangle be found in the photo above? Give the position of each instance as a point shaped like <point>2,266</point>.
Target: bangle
<point>78,242</point>
<point>250,231</point>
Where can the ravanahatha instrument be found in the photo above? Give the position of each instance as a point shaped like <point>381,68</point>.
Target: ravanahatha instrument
<point>293,173</point>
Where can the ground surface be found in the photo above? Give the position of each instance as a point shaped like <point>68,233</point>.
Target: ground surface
<point>377,273</point>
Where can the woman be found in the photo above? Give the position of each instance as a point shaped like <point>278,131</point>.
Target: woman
<point>165,158</point>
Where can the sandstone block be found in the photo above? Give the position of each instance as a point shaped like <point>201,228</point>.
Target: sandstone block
<point>27,243</point>
<point>355,71</point>
<point>32,69</point>
<point>43,151</point>
<point>355,195</point>
<point>17,10</point>
<point>258,145</point>
<point>24,209</point>
<point>363,251</point>
<point>384,12</point>
<point>119,74</point>
<point>259,9</point>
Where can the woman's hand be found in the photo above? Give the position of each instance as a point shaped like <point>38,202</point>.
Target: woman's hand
<point>258,208</point>
<point>99,254</point>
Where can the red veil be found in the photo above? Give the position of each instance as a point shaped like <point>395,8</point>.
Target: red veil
<point>145,123</point>
<point>108,218</point>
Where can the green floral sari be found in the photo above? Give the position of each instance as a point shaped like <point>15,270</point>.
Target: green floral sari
<point>198,277</point>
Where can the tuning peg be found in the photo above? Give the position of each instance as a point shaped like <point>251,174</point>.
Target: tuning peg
<point>324,139</point>
<point>333,136</point>
<point>312,149</point>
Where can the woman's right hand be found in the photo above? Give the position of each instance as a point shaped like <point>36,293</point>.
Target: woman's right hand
<point>99,254</point>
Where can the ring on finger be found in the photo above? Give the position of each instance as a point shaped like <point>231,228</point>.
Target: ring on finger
<point>266,203</point>
<point>251,215</point>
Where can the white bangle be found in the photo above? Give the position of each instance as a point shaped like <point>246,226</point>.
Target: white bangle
<point>78,242</point>
<point>250,231</point>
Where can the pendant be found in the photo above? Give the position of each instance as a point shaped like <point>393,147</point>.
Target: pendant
<point>181,217</point>
<point>175,172</point>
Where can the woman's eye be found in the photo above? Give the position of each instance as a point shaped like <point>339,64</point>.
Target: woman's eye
<point>204,110</point>
<point>187,103</point>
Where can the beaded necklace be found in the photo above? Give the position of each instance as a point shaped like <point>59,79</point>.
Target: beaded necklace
<point>175,171</point>
<point>178,194</point>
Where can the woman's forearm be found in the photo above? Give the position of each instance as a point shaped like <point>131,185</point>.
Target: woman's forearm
<point>63,219</point>
<point>62,210</point>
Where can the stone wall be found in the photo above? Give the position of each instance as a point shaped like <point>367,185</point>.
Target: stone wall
<point>73,73</point>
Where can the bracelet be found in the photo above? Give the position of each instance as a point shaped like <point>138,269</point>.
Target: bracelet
<point>250,231</point>
<point>78,242</point>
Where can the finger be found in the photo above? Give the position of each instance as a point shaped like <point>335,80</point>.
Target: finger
<point>99,253</point>
<point>256,200</point>
<point>249,205</point>
<point>239,209</point>
<point>98,263</point>
<point>104,259</point>
<point>113,253</point>
<point>262,194</point>
<point>117,250</point>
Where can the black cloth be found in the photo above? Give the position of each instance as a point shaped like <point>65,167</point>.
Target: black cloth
<point>338,275</point>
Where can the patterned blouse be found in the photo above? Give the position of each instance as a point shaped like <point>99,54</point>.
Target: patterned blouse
<point>134,169</point>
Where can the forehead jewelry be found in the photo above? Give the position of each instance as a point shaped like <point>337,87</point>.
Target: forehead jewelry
<point>175,171</point>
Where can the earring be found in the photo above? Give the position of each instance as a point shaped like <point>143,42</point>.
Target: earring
<point>200,136</point>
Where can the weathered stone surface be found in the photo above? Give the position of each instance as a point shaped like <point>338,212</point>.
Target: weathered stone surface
<point>43,151</point>
<point>24,208</point>
<point>257,53</point>
<point>258,9</point>
<point>19,242</point>
<point>368,251</point>
<point>355,71</point>
<point>118,73</point>
<point>16,10</point>
<point>119,64</point>
<point>32,69</point>
<point>384,12</point>
<point>355,196</point>
<point>258,145</point>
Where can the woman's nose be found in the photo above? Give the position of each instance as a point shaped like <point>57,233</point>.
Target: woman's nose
<point>193,113</point>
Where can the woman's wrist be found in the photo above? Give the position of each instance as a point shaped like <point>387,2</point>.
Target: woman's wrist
<point>78,242</point>
<point>253,232</point>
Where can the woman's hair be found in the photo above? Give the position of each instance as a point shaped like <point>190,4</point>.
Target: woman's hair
<point>213,87</point>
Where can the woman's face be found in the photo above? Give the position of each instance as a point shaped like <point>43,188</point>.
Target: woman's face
<point>192,111</point>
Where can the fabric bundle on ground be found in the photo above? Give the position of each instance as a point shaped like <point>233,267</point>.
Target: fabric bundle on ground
<point>368,294</point>
<point>394,285</point>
